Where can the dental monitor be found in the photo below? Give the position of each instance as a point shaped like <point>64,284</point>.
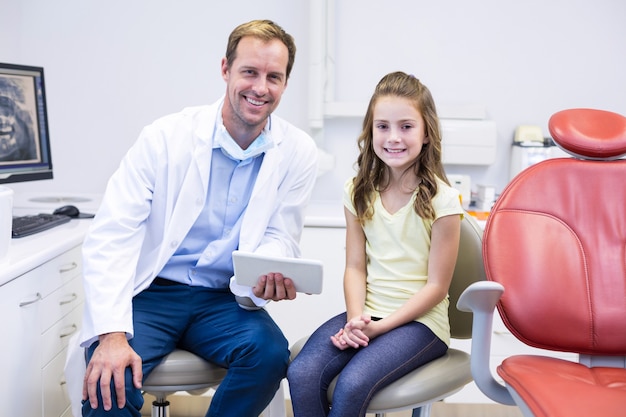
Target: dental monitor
<point>24,132</point>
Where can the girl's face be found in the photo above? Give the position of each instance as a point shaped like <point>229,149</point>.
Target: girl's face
<point>398,132</point>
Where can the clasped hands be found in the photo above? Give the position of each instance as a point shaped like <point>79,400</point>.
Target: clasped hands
<point>356,333</point>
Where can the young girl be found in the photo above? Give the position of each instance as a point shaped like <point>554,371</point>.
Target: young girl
<point>403,223</point>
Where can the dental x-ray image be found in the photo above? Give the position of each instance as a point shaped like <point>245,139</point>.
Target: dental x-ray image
<point>18,129</point>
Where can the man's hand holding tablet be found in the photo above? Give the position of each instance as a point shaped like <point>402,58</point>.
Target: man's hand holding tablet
<point>306,274</point>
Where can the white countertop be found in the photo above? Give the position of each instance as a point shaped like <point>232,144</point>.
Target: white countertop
<point>27,253</point>
<point>330,214</point>
<point>321,213</point>
<point>325,214</point>
<point>30,203</point>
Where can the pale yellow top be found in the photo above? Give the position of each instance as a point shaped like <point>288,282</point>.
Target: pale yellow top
<point>397,247</point>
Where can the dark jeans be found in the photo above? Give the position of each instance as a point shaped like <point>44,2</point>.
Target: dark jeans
<point>211,324</point>
<point>364,371</point>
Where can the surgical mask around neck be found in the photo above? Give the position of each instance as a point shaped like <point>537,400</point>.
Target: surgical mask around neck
<point>262,143</point>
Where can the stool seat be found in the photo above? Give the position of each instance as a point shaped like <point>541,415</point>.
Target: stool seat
<point>183,371</point>
<point>430,382</point>
<point>433,381</point>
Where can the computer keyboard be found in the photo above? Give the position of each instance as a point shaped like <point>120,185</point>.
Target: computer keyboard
<point>35,223</point>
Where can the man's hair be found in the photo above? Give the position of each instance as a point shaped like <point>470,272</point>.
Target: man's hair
<point>266,30</point>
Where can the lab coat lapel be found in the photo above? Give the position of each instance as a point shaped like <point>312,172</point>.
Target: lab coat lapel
<point>189,202</point>
<point>262,201</point>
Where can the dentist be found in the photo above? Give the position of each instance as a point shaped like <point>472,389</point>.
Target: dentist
<point>157,260</point>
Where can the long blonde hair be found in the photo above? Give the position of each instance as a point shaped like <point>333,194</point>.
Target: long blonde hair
<point>427,167</point>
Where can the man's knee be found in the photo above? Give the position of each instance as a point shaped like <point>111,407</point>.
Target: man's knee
<point>268,359</point>
<point>133,405</point>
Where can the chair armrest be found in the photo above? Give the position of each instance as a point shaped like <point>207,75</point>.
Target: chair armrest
<point>480,299</point>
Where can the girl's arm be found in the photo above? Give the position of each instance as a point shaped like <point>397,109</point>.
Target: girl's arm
<point>355,275</point>
<point>444,247</point>
<point>354,286</point>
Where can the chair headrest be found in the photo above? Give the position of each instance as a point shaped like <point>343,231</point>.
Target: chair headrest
<point>589,133</point>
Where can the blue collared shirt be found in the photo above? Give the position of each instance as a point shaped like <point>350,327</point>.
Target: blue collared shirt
<point>204,256</point>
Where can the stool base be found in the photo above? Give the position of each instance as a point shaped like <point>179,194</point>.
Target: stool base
<point>160,408</point>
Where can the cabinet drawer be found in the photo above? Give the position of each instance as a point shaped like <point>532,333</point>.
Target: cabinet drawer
<point>56,338</point>
<point>20,370</point>
<point>57,271</point>
<point>55,396</point>
<point>61,302</point>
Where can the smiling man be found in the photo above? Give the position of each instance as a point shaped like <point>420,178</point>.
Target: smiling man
<point>196,186</point>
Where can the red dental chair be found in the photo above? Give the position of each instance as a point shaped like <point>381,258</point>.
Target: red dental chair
<point>554,251</point>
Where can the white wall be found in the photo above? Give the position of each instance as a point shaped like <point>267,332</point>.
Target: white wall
<point>111,67</point>
<point>522,60</point>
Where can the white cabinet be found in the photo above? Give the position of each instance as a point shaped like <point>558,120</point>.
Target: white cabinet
<point>19,311</point>
<point>300,317</point>
<point>61,319</point>
<point>40,311</point>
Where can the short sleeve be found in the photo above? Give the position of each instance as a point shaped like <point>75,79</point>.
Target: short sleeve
<point>447,201</point>
<point>348,189</point>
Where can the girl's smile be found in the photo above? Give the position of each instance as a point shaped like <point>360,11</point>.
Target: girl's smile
<point>398,132</point>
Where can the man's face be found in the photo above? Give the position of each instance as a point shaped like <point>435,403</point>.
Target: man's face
<point>254,86</point>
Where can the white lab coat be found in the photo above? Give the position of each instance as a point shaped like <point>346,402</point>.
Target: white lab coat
<point>152,201</point>
<point>155,196</point>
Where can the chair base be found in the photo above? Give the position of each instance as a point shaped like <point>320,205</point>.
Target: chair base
<point>180,371</point>
<point>423,411</point>
<point>160,408</point>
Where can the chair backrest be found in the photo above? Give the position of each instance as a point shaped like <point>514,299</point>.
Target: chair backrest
<point>468,269</point>
<point>556,240</point>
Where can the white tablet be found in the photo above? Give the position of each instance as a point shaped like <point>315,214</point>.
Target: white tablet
<point>306,274</point>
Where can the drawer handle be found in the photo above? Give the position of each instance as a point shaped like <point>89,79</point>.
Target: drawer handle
<point>70,332</point>
<point>68,267</point>
<point>72,297</point>
<point>33,301</point>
